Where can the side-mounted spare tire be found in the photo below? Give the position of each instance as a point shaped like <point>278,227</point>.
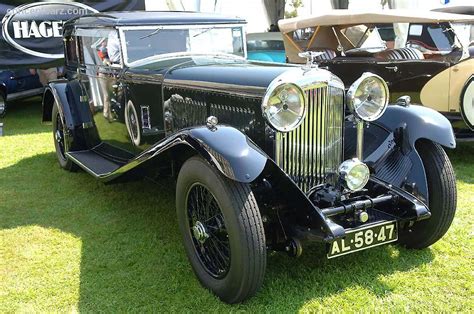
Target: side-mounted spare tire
<point>442,198</point>
<point>222,231</point>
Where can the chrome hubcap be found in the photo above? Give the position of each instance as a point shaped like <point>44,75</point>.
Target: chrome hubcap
<point>199,232</point>
<point>208,231</point>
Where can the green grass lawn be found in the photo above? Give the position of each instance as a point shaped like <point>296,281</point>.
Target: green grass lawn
<point>69,243</point>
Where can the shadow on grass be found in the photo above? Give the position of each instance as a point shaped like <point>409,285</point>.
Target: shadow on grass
<point>132,257</point>
<point>24,117</point>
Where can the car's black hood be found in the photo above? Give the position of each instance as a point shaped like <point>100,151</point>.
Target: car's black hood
<point>230,76</point>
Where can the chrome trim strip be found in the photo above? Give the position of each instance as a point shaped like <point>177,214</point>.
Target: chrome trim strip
<point>26,93</point>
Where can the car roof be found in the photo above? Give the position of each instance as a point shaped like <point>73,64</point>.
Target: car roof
<point>355,17</point>
<point>458,9</point>
<point>132,18</point>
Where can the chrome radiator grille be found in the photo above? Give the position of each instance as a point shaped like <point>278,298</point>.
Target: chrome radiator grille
<point>311,154</point>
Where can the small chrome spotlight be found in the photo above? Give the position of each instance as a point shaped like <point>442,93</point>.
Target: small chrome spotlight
<point>354,173</point>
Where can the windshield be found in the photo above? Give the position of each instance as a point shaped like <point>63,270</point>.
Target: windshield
<point>361,36</point>
<point>432,37</point>
<point>150,42</point>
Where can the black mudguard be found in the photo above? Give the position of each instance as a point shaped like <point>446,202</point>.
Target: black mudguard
<point>74,109</point>
<point>390,149</point>
<point>68,95</point>
<point>238,158</point>
<point>226,148</point>
<point>419,122</point>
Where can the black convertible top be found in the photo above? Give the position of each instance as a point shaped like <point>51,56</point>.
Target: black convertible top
<point>151,18</point>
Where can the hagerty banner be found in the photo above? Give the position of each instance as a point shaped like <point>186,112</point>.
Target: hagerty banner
<point>31,31</point>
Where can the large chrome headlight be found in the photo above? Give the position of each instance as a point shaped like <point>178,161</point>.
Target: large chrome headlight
<point>284,107</point>
<point>368,97</point>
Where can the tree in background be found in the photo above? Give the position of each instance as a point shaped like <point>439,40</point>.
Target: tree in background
<point>294,4</point>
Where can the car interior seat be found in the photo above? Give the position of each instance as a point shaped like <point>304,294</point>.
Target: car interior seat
<point>400,54</point>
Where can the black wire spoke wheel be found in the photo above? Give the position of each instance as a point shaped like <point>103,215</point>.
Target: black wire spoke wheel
<point>223,233</point>
<point>208,230</point>
<point>61,140</point>
<point>59,136</point>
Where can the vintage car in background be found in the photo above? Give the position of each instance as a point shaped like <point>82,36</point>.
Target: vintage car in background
<point>421,55</point>
<point>18,84</point>
<point>266,156</point>
<point>268,47</point>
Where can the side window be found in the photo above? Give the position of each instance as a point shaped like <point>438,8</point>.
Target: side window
<point>71,50</point>
<point>100,47</point>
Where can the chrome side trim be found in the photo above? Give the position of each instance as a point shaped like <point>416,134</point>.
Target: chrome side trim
<point>26,93</point>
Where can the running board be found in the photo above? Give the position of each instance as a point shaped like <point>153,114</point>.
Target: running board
<point>93,163</point>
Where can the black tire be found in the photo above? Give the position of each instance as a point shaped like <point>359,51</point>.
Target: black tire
<point>442,198</point>
<point>60,140</point>
<point>239,218</point>
<point>3,104</point>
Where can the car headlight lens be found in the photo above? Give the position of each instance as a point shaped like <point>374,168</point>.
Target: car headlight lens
<point>368,97</point>
<point>354,173</point>
<point>284,107</point>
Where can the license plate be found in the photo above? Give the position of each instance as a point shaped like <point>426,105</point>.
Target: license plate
<point>363,238</point>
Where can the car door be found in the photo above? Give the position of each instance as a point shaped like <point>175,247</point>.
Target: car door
<point>101,74</point>
<point>416,75</point>
<point>459,75</point>
<point>23,80</point>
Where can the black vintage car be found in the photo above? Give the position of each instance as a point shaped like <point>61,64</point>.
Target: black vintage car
<point>267,157</point>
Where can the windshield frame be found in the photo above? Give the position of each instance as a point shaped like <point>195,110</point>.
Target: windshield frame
<point>152,28</point>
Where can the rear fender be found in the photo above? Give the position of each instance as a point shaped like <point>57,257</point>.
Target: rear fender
<point>56,92</point>
<point>76,114</point>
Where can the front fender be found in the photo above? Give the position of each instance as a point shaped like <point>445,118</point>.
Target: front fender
<point>391,145</point>
<point>231,151</point>
<point>419,123</point>
<point>226,148</point>
<point>238,158</point>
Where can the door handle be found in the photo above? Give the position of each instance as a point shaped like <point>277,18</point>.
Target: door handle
<point>392,68</point>
<point>455,69</point>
